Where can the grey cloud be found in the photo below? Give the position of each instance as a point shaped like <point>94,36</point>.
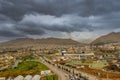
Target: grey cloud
<point>4,18</point>
<point>106,22</point>
<point>29,29</point>
<point>15,9</point>
<point>35,17</point>
<point>66,23</point>
<point>7,30</point>
<point>7,33</point>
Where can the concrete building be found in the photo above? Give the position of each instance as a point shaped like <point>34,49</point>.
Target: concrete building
<point>28,77</point>
<point>36,77</point>
<point>19,78</point>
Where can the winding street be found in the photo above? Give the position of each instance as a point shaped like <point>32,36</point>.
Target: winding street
<point>61,75</point>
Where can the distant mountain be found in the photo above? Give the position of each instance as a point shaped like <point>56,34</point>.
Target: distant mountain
<point>44,41</point>
<point>113,37</point>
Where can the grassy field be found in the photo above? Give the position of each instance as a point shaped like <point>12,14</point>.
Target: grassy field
<point>99,64</point>
<point>24,68</point>
<point>93,64</point>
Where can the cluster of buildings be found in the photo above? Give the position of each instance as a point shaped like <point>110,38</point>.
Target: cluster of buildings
<point>108,52</point>
<point>5,61</point>
<point>10,58</point>
<point>110,46</point>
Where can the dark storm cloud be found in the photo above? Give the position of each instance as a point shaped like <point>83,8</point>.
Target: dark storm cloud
<point>7,29</point>
<point>3,17</point>
<point>65,23</point>
<point>7,33</point>
<point>29,29</point>
<point>35,17</point>
<point>17,8</point>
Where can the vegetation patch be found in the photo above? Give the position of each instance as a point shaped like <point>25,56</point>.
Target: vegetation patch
<point>93,64</point>
<point>51,77</point>
<point>25,68</point>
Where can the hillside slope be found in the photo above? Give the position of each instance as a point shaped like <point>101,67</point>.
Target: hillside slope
<point>109,38</point>
<point>33,42</point>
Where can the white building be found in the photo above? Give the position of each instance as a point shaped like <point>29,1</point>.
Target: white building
<point>19,78</point>
<point>28,77</point>
<point>36,77</point>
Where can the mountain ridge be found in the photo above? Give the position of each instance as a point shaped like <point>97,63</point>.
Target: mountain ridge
<point>47,41</point>
<point>113,37</point>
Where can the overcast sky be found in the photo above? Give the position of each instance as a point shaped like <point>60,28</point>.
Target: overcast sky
<point>82,20</point>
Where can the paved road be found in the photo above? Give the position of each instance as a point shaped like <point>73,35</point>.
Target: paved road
<point>60,73</point>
